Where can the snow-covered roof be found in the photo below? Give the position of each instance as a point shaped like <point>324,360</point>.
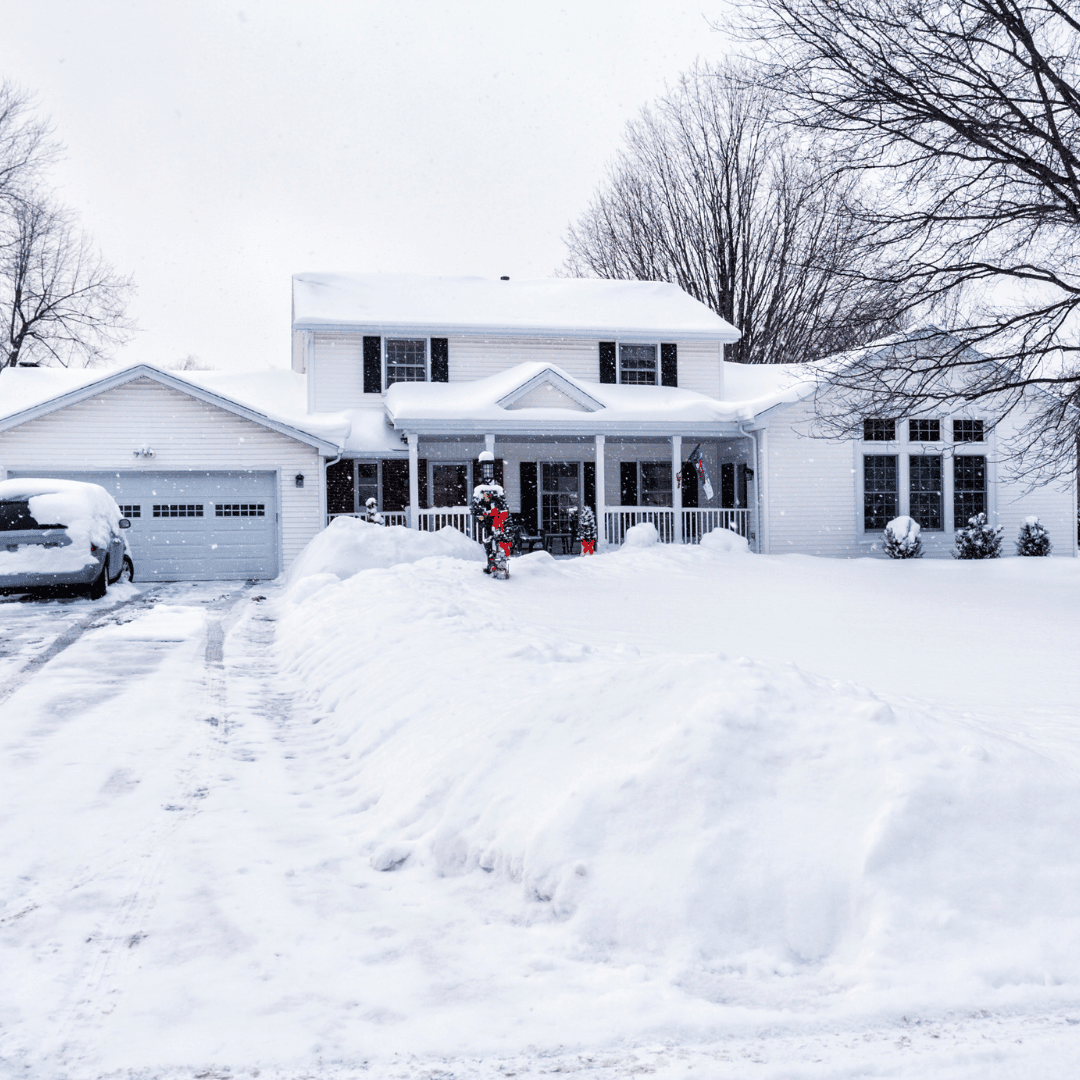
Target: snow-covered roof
<point>511,401</point>
<point>276,399</point>
<point>572,307</point>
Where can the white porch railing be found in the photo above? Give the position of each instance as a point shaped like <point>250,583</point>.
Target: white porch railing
<point>617,519</point>
<point>694,523</point>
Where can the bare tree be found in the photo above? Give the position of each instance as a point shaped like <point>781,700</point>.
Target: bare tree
<point>60,301</point>
<point>966,114</point>
<point>711,194</point>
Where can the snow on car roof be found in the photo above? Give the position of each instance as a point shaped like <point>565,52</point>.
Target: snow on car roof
<point>563,306</point>
<point>25,487</point>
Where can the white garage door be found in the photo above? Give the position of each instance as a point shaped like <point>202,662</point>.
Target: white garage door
<point>194,526</point>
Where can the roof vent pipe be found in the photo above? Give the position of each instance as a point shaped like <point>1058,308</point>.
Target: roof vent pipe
<point>504,278</point>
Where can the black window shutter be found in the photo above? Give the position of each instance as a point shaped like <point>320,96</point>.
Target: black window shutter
<point>528,495</point>
<point>727,484</point>
<point>440,359</point>
<point>669,364</point>
<point>689,485</point>
<point>422,494</point>
<point>340,487</point>
<point>590,485</point>
<point>395,478</point>
<point>607,362</point>
<point>628,483</point>
<point>372,365</point>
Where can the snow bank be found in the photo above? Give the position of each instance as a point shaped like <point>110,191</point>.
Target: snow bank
<point>87,512</point>
<point>738,828</point>
<point>348,545</point>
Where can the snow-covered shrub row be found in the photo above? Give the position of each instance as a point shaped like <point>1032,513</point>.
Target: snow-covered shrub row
<point>349,545</point>
<point>902,540</point>
<point>709,817</point>
<point>1033,538</point>
<point>978,540</point>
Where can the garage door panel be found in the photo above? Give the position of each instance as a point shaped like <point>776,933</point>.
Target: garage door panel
<point>195,526</point>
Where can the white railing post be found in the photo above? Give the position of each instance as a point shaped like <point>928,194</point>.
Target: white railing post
<point>414,479</point>
<point>601,491</point>
<point>676,488</point>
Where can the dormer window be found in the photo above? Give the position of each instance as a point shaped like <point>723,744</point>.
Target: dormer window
<point>406,360</point>
<point>637,365</point>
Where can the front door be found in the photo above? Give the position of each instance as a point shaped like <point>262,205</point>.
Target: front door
<point>559,489</point>
<point>449,484</point>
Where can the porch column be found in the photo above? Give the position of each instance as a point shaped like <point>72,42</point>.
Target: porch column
<point>414,479</point>
<point>676,486</point>
<point>601,530</point>
<point>489,444</point>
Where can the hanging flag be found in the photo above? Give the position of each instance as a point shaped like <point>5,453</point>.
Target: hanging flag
<point>698,462</point>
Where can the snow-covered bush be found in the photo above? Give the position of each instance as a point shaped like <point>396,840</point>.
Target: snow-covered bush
<point>902,540</point>
<point>979,540</point>
<point>1033,538</point>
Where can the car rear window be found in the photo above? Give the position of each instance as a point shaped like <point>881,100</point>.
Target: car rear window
<point>16,515</point>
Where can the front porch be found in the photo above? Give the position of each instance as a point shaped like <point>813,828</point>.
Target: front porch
<point>686,486</point>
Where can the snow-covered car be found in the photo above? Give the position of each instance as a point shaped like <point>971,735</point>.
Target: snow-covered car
<point>61,533</point>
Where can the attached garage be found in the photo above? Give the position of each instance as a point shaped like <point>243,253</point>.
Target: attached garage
<point>195,526</point>
<point>213,489</point>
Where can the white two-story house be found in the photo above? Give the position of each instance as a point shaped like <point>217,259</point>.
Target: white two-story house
<point>613,394</point>
<point>607,393</point>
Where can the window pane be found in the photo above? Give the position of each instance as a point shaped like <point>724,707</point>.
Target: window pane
<point>406,360</point>
<point>880,491</point>
<point>656,483</point>
<point>879,430</point>
<point>924,431</point>
<point>558,490</point>
<point>637,364</point>
<point>367,482</point>
<point>967,431</point>
<point>969,488</point>
<point>925,477</point>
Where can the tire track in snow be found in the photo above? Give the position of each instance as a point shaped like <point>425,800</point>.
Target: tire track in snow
<point>68,638</point>
<point>116,943</point>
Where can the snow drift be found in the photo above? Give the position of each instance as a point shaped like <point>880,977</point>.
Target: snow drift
<point>348,546</point>
<point>710,816</point>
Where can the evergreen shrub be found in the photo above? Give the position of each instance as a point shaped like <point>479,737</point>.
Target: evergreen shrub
<point>902,540</point>
<point>1033,538</point>
<point>979,540</point>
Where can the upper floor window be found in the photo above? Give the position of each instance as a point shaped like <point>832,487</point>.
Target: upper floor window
<point>924,431</point>
<point>406,360</point>
<point>879,430</point>
<point>967,431</point>
<point>637,364</point>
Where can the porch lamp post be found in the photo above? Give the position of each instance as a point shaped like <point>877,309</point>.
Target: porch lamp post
<point>676,489</point>
<point>487,467</point>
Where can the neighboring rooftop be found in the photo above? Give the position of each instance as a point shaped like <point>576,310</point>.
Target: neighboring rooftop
<point>572,307</point>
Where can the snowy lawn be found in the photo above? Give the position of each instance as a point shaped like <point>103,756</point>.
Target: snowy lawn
<point>685,811</point>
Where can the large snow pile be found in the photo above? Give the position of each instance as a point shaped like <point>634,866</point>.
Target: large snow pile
<point>87,513</point>
<point>740,828</point>
<point>348,545</point>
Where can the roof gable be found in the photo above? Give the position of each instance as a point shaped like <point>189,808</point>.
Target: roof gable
<point>164,378</point>
<point>550,390</point>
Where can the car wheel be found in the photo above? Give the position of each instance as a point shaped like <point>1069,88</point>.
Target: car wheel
<point>127,572</point>
<point>97,588</point>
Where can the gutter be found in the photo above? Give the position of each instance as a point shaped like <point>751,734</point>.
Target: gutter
<point>759,483</point>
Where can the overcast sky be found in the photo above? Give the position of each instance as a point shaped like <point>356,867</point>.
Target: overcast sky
<point>214,149</point>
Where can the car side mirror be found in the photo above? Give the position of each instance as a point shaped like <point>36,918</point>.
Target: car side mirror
<point>124,523</point>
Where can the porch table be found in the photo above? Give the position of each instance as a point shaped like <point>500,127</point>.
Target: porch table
<point>565,539</point>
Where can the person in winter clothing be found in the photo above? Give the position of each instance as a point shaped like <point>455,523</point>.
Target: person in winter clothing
<point>490,509</point>
<point>583,526</point>
<point>371,512</point>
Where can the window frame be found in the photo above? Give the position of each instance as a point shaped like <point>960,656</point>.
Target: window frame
<point>905,449</point>
<point>386,384</point>
<point>665,471</point>
<point>620,345</point>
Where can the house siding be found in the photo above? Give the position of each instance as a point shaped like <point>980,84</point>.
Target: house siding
<point>811,489</point>
<point>101,432</point>
<point>338,363</point>
<point>815,491</point>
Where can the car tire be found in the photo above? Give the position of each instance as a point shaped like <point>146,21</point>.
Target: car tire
<point>127,572</point>
<point>98,587</point>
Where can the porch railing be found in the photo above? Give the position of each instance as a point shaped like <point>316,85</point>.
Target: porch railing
<point>694,524</point>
